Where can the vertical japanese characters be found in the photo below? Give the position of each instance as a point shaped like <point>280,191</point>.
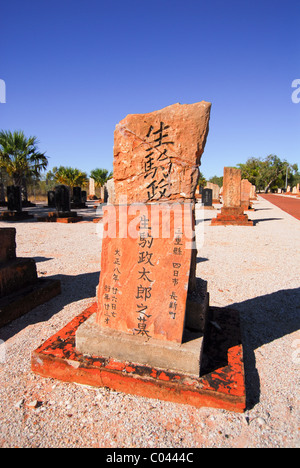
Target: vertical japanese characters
<point>176,264</point>
<point>157,164</point>
<point>110,298</point>
<point>144,285</point>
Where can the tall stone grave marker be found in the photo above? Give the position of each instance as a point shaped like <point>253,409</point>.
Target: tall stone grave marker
<point>148,261</point>
<point>232,212</point>
<point>92,192</point>
<point>140,337</point>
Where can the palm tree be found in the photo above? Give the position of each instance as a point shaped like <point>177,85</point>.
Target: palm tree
<point>69,176</point>
<point>100,176</point>
<point>20,157</point>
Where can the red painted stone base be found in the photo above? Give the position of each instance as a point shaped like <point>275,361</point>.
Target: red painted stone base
<point>54,218</point>
<point>221,385</point>
<point>15,216</point>
<point>231,217</point>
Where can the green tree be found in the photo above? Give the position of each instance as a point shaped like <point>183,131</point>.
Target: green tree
<point>21,159</point>
<point>267,173</point>
<point>201,180</point>
<point>69,176</point>
<point>216,180</point>
<point>250,170</point>
<point>100,176</point>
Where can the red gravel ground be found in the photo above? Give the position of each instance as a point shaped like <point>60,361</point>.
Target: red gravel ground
<point>288,204</point>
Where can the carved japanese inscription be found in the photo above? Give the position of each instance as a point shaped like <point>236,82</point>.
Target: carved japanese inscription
<point>157,155</point>
<point>145,273</point>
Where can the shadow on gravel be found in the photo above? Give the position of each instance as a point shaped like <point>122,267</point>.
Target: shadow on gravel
<point>263,320</point>
<point>256,221</point>
<point>74,289</point>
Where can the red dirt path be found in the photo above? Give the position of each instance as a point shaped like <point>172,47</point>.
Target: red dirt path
<point>289,204</point>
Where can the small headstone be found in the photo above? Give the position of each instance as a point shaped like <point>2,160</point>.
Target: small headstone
<point>207,197</point>
<point>14,198</point>
<point>51,199</point>
<point>83,196</point>
<point>215,191</point>
<point>77,195</point>
<point>62,199</point>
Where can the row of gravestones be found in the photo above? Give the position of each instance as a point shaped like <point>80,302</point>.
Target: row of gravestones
<point>58,198</point>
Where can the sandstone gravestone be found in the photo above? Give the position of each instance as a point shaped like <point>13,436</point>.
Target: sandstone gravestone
<point>246,189</point>
<point>92,192</point>
<point>232,212</point>
<point>253,195</point>
<point>110,185</point>
<point>145,274</point>
<point>157,155</point>
<point>215,191</point>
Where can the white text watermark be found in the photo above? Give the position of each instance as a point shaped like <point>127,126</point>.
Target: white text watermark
<point>2,92</point>
<point>296,93</point>
<point>166,221</point>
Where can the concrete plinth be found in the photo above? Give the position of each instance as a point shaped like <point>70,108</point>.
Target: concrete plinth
<point>221,384</point>
<point>170,356</point>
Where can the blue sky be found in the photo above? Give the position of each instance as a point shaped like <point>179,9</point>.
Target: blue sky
<point>74,68</point>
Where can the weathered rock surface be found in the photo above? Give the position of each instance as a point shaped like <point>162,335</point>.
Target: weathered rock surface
<point>157,155</point>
